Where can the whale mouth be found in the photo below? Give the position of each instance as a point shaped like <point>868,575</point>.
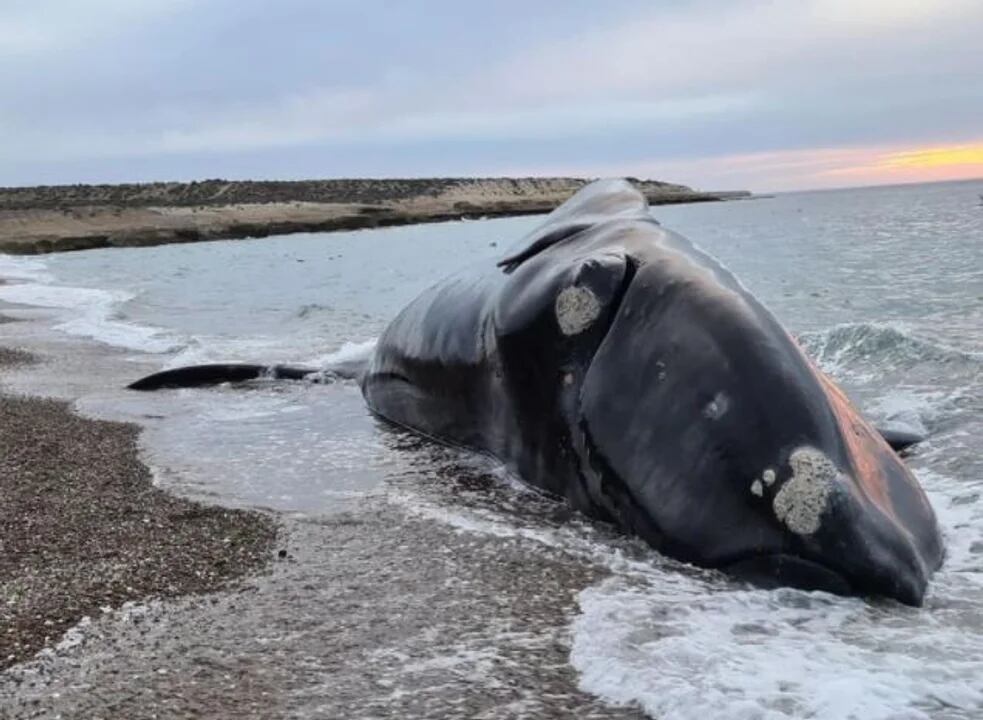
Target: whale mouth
<point>783,570</point>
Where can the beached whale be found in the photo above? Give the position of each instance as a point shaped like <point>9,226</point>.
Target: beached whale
<point>608,361</point>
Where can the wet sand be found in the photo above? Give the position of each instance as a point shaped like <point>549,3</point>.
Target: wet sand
<point>85,530</point>
<point>375,615</point>
<point>145,611</point>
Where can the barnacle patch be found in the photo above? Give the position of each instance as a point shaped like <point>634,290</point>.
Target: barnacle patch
<point>576,309</point>
<point>801,501</point>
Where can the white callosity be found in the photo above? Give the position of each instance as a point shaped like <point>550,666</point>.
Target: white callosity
<point>576,309</point>
<point>716,408</point>
<point>803,498</point>
<point>758,484</point>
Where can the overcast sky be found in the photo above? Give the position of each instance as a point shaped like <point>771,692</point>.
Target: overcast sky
<point>765,95</point>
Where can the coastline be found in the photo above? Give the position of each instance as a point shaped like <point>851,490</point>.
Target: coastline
<point>86,530</point>
<point>80,217</point>
<point>384,608</point>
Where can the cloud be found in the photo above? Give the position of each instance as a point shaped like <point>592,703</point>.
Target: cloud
<point>31,29</point>
<point>360,117</point>
<point>801,169</point>
<point>700,47</point>
<point>159,82</point>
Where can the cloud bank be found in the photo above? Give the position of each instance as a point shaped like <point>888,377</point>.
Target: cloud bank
<point>719,94</point>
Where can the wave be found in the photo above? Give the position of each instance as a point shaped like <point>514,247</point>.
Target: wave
<point>855,346</point>
<point>349,352</point>
<point>681,642</point>
<point>92,313</point>
<point>900,379</point>
<point>21,268</point>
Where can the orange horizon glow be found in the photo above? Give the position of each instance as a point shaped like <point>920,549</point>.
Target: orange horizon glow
<point>940,156</point>
<point>799,169</point>
<point>931,163</point>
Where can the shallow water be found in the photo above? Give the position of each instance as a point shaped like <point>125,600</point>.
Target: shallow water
<point>883,286</point>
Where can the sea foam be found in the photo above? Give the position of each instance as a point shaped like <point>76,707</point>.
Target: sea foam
<point>92,313</point>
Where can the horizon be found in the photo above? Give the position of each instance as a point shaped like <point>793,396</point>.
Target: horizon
<point>754,194</point>
<point>823,94</point>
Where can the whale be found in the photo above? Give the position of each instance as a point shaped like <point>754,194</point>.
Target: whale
<point>609,362</point>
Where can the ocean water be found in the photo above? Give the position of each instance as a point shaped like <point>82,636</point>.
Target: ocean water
<point>883,287</point>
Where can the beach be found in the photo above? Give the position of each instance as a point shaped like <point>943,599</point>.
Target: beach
<point>422,581</point>
<point>126,600</point>
<point>77,217</point>
<point>86,531</point>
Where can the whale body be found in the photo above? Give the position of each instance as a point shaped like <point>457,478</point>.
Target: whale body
<point>608,361</point>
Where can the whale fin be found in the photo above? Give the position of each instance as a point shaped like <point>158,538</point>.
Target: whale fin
<point>900,440</point>
<point>216,373</point>
<point>601,201</point>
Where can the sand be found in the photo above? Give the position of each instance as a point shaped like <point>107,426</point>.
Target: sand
<point>375,612</point>
<point>84,529</point>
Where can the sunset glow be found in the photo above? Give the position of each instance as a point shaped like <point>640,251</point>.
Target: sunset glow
<point>935,157</point>
<point>904,164</point>
<point>800,169</point>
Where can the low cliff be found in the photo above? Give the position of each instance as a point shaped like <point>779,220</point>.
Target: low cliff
<point>75,217</point>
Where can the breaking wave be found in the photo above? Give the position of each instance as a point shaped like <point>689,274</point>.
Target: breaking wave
<point>853,347</point>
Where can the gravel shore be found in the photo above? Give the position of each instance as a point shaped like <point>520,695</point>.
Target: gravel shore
<point>84,529</point>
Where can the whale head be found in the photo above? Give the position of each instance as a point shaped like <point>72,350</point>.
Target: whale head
<point>695,421</point>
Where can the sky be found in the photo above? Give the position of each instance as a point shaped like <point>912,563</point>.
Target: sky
<point>766,95</point>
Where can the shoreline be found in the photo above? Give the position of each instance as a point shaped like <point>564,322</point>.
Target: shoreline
<point>389,604</point>
<point>82,217</point>
<point>86,530</point>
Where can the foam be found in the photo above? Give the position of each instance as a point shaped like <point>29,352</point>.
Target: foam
<point>755,654</point>
<point>682,647</point>
<point>349,352</point>
<point>90,313</point>
<point>203,349</point>
<point>852,349</point>
<point>910,409</point>
<point>471,520</point>
<point>683,643</point>
<point>75,637</point>
<point>268,350</point>
<point>21,268</point>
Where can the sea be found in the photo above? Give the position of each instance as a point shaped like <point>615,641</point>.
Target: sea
<point>474,596</point>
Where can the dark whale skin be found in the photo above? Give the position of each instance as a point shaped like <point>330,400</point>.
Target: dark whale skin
<point>610,362</point>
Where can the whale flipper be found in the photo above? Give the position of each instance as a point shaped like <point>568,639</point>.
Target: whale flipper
<point>900,440</point>
<point>217,373</point>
